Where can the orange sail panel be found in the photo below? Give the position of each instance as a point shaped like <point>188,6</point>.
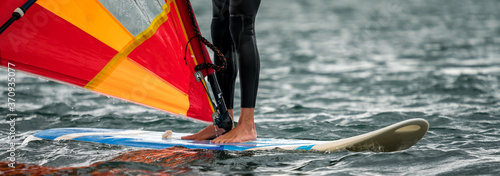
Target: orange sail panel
<point>82,43</point>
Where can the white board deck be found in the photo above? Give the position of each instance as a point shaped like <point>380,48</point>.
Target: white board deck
<point>399,136</point>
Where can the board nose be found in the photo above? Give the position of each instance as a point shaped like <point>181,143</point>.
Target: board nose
<point>409,128</point>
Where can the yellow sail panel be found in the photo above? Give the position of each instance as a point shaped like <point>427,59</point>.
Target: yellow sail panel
<point>132,82</point>
<point>99,23</point>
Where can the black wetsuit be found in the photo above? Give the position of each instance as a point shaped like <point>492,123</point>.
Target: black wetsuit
<point>234,34</point>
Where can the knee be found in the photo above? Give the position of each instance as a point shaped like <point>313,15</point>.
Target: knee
<point>241,26</point>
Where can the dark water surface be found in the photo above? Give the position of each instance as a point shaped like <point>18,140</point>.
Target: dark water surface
<point>330,70</point>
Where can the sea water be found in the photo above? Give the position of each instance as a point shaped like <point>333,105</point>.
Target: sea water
<point>329,70</point>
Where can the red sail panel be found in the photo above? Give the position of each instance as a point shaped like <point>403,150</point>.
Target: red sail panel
<point>199,50</point>
<point>199,95</point>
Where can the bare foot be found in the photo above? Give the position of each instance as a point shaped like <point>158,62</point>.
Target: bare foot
<point>208,133</point>
<point>244,131</point>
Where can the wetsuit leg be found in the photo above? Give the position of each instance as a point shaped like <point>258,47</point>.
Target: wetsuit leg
<point>241,24</point>
<point>222,40</point>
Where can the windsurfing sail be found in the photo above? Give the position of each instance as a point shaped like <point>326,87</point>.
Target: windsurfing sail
<point>136,50</point>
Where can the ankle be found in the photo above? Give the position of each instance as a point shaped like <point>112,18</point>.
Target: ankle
<point>247,119</point>
<point>247,113</point>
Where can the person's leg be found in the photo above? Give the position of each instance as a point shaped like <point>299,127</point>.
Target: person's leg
<point>222,40</point>
<point>242,19</point>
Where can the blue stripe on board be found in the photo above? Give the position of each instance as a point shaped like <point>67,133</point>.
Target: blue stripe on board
<point>305,147</point>
<point>57,132</point>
